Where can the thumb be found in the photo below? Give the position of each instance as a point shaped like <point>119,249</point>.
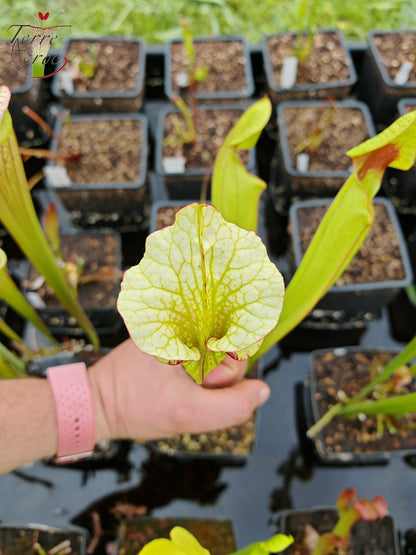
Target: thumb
<point>213,409</point>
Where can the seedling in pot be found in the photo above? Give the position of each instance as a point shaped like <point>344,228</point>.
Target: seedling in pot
<point>187,81</point>
<point>307,13</point>
<point>315,136</point>
<point>383,396</point>
<point>78,68</point>
<point>350,510</point>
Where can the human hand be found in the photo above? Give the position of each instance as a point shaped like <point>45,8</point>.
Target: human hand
<point>138,397</point>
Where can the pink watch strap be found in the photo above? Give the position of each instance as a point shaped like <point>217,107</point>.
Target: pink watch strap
<point>74,410</point>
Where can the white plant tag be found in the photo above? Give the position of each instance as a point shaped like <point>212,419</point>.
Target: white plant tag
<point>182,80</point>
<point>289,72</point>
<point>35,300</point>
<point>173,164</point>
<point>302,162</point>
<point>57,175</point>
<point>403,74</point>
<point>65,82</point>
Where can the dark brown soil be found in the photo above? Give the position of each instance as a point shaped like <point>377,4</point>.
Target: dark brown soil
<point>212,127</point>
<point>9,76</point>
<point>225,60</point>
<point>378,258</point>
<point>110,150</point>
<point>214,535</point>
<point>101,275</point>
<point>349,372</point>
<point>394,49</point>
<point>327,61</point>
<point>166,215</point>
<point>115,63</point>
<point>345,129</point>
<point>367,538</point>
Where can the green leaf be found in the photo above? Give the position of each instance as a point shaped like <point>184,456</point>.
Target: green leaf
<point>13,297</point>
<point>398,406</point>
<point>204,288</point>
<point>10,365</point>
<point>235,192</point>
<point>18,215</point>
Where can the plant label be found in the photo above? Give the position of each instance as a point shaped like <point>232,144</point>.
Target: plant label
<point>65,82</point>
<point>173,164</point>
<point>57,175</point>
<point>289,72</point>
<point>302,162</point>
<point>403,74</point>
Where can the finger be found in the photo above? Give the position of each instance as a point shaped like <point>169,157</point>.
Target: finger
<point>227,373</point>
<point>213,409</point>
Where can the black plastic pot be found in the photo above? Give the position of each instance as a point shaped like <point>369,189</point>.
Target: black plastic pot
<point>294,182</point>
<point>184,182</point>
<point>21,538</point>
<point>355,299</point>
<point>105,319</point>
<point>120,204</point>
<point>337,88</point>
<point>111,98</point>
<point>217,536</point>
<point>377,86</point>
<point>329,449</point>
<point>379,536</point>
<point>209,90</point>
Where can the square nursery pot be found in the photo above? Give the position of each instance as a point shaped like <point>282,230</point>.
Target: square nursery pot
<point>102,274</point>
<point>314,170</point>
<point>228,63</point>
<point>353,440</point>
<point>217,536</point>
<point>400,185</point>
<point>26,91</point>
<point>389,72</point>
<point>21,539</point>
<point>328,70</point>
<point>378,536</point>
<point>379,270</point>
<point>103,74</point>
<point>185,167</point>
<point>100,170</point>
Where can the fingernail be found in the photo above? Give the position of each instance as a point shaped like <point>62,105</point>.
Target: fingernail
<point>264,394</point>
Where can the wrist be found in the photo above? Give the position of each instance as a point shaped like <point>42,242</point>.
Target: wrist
<point>74,411</point>
<point>98,375</point>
